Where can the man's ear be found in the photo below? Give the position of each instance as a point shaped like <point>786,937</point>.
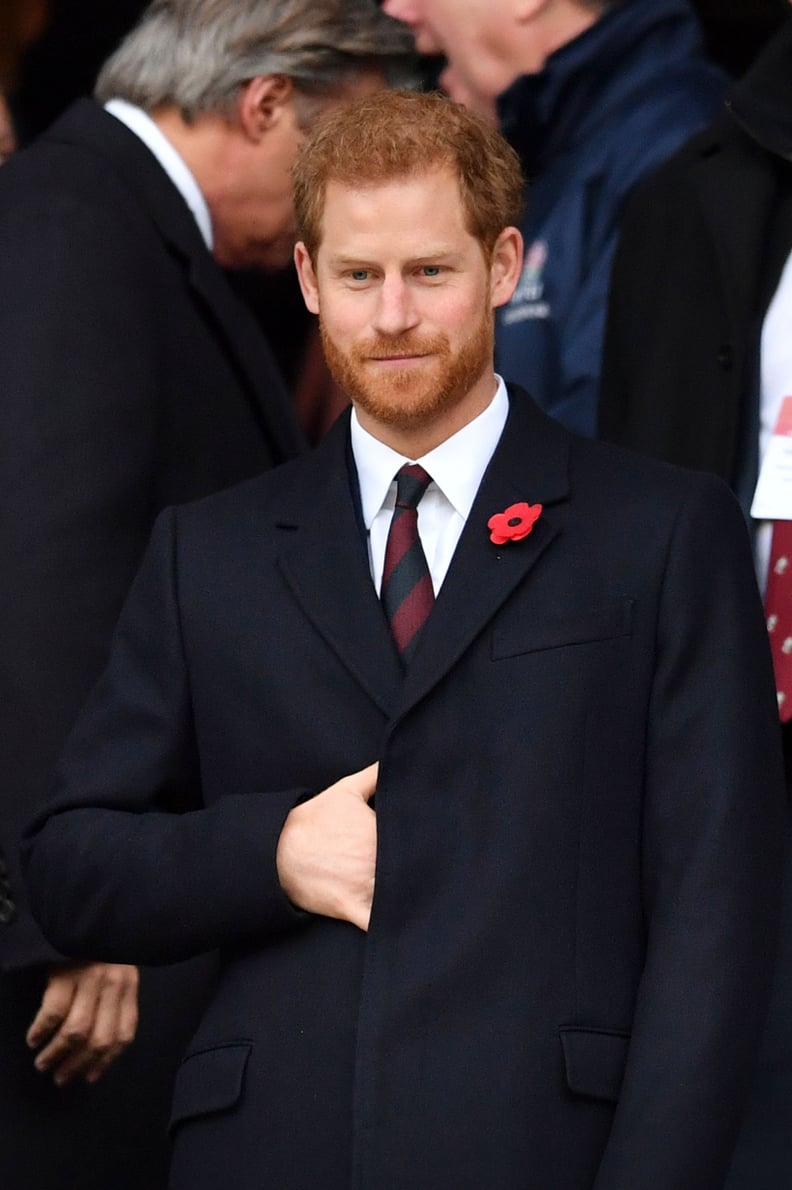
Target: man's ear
<point>262,103</point>
<point>505,266</point>
<point>306,277</point>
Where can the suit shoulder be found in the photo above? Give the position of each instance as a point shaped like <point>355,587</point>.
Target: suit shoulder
<point>252,497</point>
<point>723,139</point>
<point>647,486</point>
<point>69,192</point>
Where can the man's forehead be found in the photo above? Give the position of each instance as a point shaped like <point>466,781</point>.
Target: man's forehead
<point>404,221</point>
<point>403,204</point>
<point>372,192</point>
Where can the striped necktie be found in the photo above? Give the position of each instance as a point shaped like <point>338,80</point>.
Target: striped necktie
<point>407,594</point>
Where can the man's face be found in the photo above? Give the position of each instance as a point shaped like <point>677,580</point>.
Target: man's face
<point>405,296</point>
<point>259,230</point>
<point>489,43</point>
<point>473,35</point>
<point>256,226</point>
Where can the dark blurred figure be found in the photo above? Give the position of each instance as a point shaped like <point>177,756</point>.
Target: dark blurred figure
<point>698,360</point>
<point>22,22</point>
<point>131,378</point>
<point>593,94</point>
<point>7,133</point>
<point>736,30</point>
<point>62,64</point>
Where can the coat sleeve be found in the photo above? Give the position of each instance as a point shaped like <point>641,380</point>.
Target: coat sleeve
<point>714,818</point>
<point>128,864</point>
<point>80,372</point>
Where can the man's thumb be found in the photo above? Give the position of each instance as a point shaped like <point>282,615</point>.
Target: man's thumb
<point>366,781</point>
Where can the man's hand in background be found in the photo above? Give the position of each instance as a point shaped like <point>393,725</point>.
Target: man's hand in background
<point>88,1016</point>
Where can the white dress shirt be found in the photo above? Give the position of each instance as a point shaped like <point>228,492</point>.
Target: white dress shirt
<point>456,466</point>
<point>776,383</point>
<point>173,163</point>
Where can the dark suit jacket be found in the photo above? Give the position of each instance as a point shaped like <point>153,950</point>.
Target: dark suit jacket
<point>701,251</point>
<point>578,814</point>
<point>131,378</point>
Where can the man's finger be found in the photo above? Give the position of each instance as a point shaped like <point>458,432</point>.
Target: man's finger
<point>55,1006</point>
<point>101,1024</point>
<point>359,915</point>
<point>101,1043</point>
<point>77,1027</point>
<point>126,1023</point>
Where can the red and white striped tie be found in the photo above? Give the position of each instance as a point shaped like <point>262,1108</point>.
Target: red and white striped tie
<point>778,610</point>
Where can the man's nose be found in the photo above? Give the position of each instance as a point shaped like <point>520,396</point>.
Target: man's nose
<point>395,312</point>
<point>400,10</point>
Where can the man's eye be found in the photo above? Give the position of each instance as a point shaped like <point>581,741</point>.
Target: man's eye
<point>359,274</point>
<point>431,270</point>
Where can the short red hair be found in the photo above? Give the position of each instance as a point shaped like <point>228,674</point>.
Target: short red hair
<point>397,134</point>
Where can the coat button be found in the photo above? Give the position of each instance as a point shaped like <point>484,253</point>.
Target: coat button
<point>726,357</point>
<point>7,910</point>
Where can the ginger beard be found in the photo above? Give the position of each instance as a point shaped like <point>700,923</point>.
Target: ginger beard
<point>413,396</point>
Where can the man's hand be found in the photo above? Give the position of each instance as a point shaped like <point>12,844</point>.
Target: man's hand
<point>88,1016</point>
<point>328,850</point>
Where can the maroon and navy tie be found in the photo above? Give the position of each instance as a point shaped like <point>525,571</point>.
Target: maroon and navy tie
<point>407,594</point>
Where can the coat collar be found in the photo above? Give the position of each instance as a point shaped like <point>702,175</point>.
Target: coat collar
<point>544,113</point>
<point>761,102</point>
<point>737,229</point>
<point>324,556</point>
<point>89,127</point>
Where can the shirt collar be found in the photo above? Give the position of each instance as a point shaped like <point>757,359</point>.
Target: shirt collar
<point>760,101</point>
<point>456,466</point>
<point>172,162</point>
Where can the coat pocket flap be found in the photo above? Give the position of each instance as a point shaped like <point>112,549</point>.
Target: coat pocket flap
<point>602,623</point>
<point>594,1060</point>
<point>209,1081</point>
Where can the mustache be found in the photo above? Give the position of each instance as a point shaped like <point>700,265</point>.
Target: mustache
<point>386,348</point>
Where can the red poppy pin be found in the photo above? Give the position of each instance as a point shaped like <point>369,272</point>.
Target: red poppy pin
<point>514,523</point>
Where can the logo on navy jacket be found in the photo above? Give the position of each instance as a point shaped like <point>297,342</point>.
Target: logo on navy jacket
<point>528,300</point>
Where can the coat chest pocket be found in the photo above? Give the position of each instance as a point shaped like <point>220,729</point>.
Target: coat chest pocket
<point>209,1081</point>
<point>594,1061</point>
<point>515,637</point>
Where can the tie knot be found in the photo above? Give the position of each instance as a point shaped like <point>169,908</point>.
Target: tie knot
<point>411,483</point>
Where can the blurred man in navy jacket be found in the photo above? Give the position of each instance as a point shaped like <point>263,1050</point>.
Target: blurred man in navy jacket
<point>593,95</point>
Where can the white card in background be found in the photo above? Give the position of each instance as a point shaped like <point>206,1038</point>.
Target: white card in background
<point>773,496</point>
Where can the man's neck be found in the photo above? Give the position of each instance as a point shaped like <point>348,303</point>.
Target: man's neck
<point>413,442</point>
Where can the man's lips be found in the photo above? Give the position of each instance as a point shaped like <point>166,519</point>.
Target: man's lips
<point>406,358</point>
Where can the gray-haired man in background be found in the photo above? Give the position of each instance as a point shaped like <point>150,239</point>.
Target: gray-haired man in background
<point>132,378</point>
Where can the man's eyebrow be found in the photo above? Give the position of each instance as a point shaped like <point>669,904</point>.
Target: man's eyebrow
<point>342,261</point>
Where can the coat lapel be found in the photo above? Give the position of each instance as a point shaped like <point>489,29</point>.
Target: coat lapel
<point>271,403</point>
<point>530,464</point>
<point>737,224</point>
<point>324,559</point>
